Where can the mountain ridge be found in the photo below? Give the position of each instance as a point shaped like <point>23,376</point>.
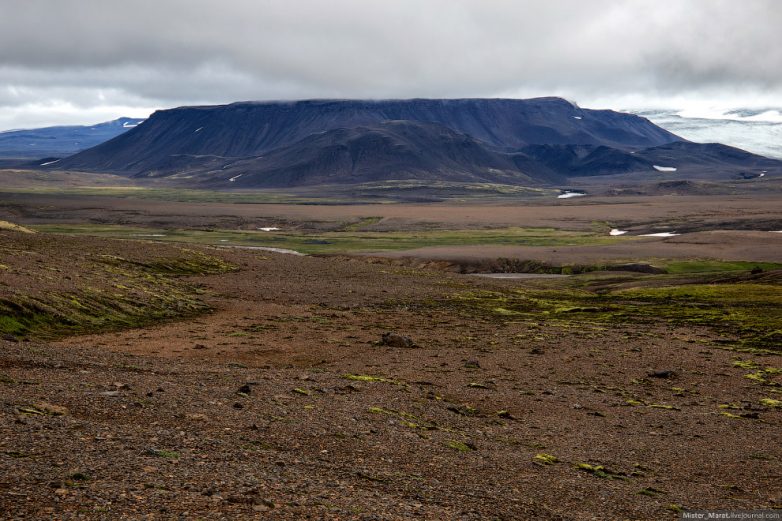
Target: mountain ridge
<point>309,142</point>
<point>60,140</point>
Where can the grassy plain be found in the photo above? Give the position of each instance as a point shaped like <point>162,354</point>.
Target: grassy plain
<point>348,240</point>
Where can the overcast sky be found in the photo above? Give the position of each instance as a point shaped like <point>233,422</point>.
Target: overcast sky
<point>84,61</point>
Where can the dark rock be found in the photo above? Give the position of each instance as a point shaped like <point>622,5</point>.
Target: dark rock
<point>636,267</point>
<point>463,410</point>
<point>245,389</point>
<point>392,339</point>
<point>661,374</point>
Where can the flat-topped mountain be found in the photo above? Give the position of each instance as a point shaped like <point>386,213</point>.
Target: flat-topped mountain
<point>280,144</point>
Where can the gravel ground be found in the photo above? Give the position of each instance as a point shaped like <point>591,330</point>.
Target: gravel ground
<point>283,404</point>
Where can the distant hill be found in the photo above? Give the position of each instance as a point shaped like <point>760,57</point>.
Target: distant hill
<point>285,144</point>
<point>60,141</point>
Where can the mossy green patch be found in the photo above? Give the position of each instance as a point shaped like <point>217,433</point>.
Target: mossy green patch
<point>478,385</point>
<point>166,454</point>
<point>365,222</point>
<point>506,312</point>
<point>133,294</point>
<point>712,266</point>
<point>459,446</point>
<point>190,262</point>
<point>600,471</point>
<point>749,311</point>
<point>765,376</point>
<point>406,419</point>
<point>664,406</point>
<point>345,240</point>
<point>10,325</point>
<point>544,459</point>
<point>746,311</point>
<point>54,314</point>
<point>369,378</point>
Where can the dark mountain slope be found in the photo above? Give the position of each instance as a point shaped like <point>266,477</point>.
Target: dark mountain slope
<point>390,150</point>
<point>584,160</point>
<point>705,155</point>
<point>60,141</point>
<point>252,129</point>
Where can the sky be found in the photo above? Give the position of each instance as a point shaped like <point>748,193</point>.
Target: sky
<point>84,61</point>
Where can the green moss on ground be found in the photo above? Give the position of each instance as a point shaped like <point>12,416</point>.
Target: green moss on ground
<point>459,446</point>
<point>746,310</point>
<point>600,471</point>
<point>349,239</point>
<point>711,266</point>
<point>544,459</point>
<point>126,294</point>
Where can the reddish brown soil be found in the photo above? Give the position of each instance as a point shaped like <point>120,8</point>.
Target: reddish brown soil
<point>306,443</point>
<point>724,245</point>
<point>637,214</point>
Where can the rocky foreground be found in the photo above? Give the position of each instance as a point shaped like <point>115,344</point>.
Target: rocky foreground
<point>275,395</point>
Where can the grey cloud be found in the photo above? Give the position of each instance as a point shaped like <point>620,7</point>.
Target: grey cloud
<point>166,52</point>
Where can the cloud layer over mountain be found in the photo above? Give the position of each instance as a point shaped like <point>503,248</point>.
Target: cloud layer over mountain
<point>61,60</point>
